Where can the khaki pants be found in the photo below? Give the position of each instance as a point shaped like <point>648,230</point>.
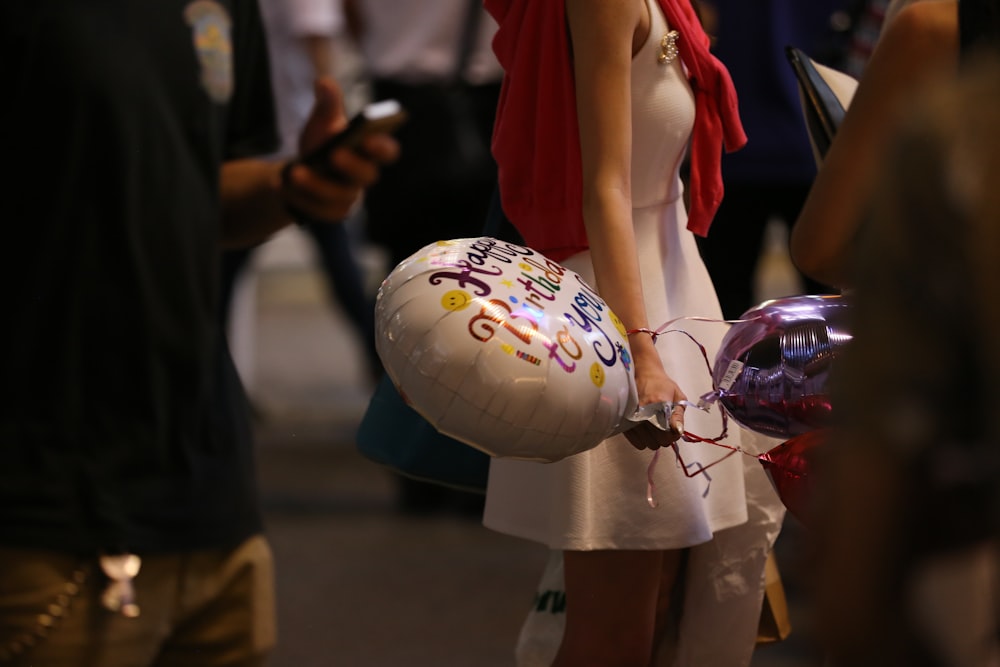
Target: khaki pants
<point>198,609</point>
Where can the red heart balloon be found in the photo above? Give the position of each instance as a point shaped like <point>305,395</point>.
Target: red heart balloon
<point>789,465</point>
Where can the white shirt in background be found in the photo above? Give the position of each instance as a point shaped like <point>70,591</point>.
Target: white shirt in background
<point>416,41</point>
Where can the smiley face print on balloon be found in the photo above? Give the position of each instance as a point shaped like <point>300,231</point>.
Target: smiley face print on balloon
<point>504,349</point>
<point>456,299</point>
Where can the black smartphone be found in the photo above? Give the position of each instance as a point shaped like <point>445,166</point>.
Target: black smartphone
<point>383,116</point>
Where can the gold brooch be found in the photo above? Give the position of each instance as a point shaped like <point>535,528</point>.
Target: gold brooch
<point>668,47</point>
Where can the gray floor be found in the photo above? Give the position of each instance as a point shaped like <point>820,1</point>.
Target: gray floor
<point>360,585</point>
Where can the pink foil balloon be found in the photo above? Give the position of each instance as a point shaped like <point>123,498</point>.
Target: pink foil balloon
<point>772,370</point>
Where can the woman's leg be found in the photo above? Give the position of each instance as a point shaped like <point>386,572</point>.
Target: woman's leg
<point>669,604</point>
<point>613,599</point>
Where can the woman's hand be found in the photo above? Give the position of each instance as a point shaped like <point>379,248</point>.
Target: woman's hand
<point>655,386</point>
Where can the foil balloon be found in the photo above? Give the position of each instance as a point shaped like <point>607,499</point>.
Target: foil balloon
<point>789,466</point>
<point>772,369</point>
<point>505,350</point>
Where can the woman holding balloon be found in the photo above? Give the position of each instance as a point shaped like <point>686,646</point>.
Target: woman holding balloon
<point>600,100</point>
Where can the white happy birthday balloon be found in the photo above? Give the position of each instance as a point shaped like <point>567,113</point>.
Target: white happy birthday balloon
<point>504,349</point>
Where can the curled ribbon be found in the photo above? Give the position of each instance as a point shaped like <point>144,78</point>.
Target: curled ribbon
<point>659,415</point>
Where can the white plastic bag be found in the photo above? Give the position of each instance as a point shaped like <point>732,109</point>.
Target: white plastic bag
<point>542,632</point>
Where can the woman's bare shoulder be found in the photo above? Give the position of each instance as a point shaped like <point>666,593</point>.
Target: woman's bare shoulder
<point>605,10</point>
<point>926,23</point>
<point>607,25</point>
<point>920,43</point>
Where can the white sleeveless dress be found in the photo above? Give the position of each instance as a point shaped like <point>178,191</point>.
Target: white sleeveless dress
<point>598,499</point>
<point>730,515</point>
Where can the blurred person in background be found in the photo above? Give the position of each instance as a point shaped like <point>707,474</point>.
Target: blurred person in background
<point>768,180</point>
<point>303,44</point>
<point>130,532</point>
<point>906,549</point>
<point>866,18</point>
<point>904,215</point>
<point>838,202</point>
<point>435,57</point>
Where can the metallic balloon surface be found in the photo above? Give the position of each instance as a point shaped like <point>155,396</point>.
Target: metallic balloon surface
<point>503,349</point>
<point>772,370</point>
<point>789,466</point>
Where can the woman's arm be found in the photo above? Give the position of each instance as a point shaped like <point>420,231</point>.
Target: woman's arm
<point>603,34</point>
<point>918,47</point>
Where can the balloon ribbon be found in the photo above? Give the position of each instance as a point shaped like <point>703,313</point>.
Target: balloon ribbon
<point>688,436</point>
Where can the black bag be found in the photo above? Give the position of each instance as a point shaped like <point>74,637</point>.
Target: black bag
<point>824,93</point>
<point>446,172</point>
<point>445,142</point>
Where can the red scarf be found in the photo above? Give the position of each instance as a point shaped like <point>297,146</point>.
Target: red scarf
<point>536,139</point>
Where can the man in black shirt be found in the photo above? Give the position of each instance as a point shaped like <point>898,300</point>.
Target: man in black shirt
<point>126,474</point>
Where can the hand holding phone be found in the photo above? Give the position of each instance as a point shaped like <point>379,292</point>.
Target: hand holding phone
<point>378,117</point>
